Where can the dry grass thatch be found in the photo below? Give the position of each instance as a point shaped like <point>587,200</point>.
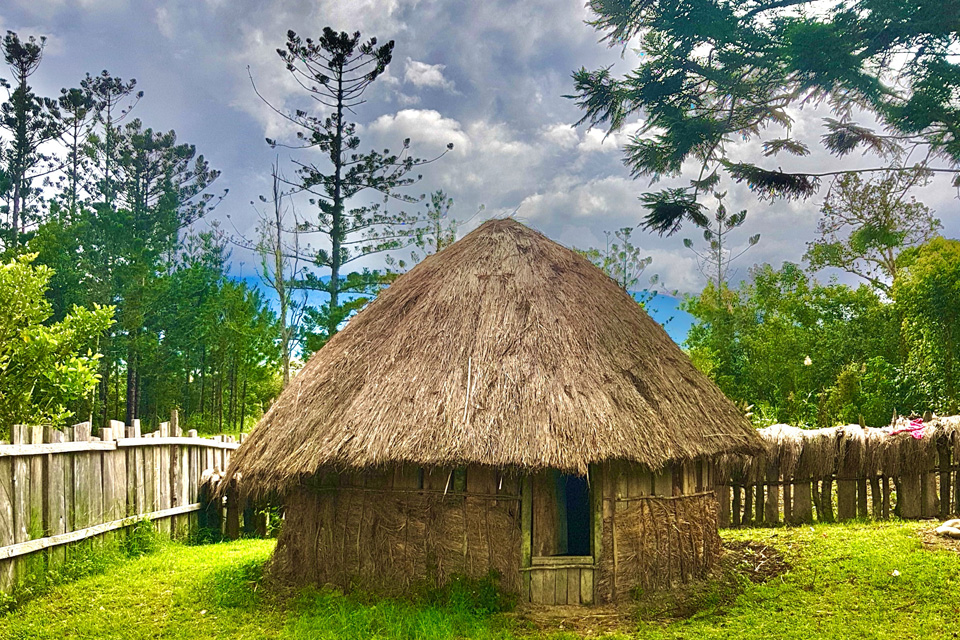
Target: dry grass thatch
<point>784,443</point>
<point>504,349</point>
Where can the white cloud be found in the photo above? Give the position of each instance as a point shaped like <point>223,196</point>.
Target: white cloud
<point>562,135</point>
<point>429,131</point>
<point>421,74</point>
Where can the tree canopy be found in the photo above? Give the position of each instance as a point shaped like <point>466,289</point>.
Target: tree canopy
<point>713,73</point>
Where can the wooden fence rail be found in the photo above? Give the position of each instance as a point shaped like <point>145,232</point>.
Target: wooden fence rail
<point>59,487</point>
<point>842,473</point>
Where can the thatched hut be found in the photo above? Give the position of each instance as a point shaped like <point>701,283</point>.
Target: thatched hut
<point>503,406</point>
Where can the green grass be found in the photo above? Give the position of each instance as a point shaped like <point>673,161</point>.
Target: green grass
<point>842,585</point>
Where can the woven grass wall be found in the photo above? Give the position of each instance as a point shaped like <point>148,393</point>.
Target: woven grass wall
<point>387,530</point>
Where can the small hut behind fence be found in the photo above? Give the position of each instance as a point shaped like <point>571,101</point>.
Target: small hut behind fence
<point>503,406</point>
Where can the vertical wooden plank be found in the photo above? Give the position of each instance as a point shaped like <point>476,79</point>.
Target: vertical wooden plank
<point>573,586</point>
<point>233,513</point>
<point>586,586</point>
<point>526,533</point>
<point>597,485</point>
<point>560,586</point>
<point>94,484</point>
<point>663,481</point>
<point>826,499</point>
<point>908,497</point>
<point>632,479</point>
<point>149,480</point>
<point>771,514</point>
<point>724,505</point>
<point>930,497</point>
<point>81,496</point>
<point>54,506</point>
<point>408,477</point>
<point>760,506</point>
<point>175,476</point>
<point>68,461</point>
<point>549,586</point>
<point>943,453</point>
<point>130,454</point>
<point>7,522</point>
<point>536,586</point>
<point>735,519</point>
<point>691,473</point>
<point>802,503</point>
<point>885,488</point>
<point>862,511</point>
<point>876,498</point>
<point>164,482</point>
<point>747,518</point>
<point>787,501</point>
<point>546,538</point>
<point>482,480</point>
<point>140,471</point>
<point>194,474</point>
<point>38,528</point>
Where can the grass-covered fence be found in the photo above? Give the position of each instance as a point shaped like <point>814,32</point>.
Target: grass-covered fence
<point>841,473</point>
<point>60,487</point>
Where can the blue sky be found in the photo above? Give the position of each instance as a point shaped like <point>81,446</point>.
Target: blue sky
<point>488,76</point>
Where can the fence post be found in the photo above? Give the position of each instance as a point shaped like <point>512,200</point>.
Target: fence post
<point>233,511</point>
<point>736,505</point>
<point>772,514</point>
<point>723,493</point>
<point>944,454</point>
<point>802,503</point>
<point>747,518</point>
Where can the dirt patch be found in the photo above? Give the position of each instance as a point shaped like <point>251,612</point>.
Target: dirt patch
<point>755,561</point>
<point>933,541</point>
<point>742,562</point>
<point>587,621</point>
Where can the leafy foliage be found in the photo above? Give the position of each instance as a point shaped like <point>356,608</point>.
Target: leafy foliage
<point>713,73</point>
<point>782,342</point>
<point>929,294</point>
<point>714,261</point>
<point>43,366</point>
<point>624,262</point>
<point>866,225</point>
<point>335,71</point>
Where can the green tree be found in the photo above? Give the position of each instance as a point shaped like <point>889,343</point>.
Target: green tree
<point>163,188</point>
<point>620,259</point>
<point>335,71</point>
<point>781,341</point>
<point>714,261</point>
<point>434,231</point>
<point>928,291</point>
<point>30,121</point>
<point>78,110</point>
<point>44,367</point>
<point>114,99</point>
<point>278,247</point>
<point>713,73</point>
<point>865,225</point>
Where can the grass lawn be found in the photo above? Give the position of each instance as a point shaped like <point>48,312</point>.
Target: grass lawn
<point>846,581</point>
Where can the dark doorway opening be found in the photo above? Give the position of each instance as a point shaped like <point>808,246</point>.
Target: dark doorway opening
<point>577,498</point>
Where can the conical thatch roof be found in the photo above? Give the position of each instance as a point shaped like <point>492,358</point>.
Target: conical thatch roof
<point>504,349</point>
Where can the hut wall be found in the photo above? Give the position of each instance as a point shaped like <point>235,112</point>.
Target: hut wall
<point>386,530</point>
<point>659,529</point>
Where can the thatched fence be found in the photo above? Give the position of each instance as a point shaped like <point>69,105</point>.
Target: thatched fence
<point>911,470</point>
<point>59,488</point>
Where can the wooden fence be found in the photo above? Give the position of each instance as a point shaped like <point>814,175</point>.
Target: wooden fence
<point>59,487</point>
<point>842,473</point>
